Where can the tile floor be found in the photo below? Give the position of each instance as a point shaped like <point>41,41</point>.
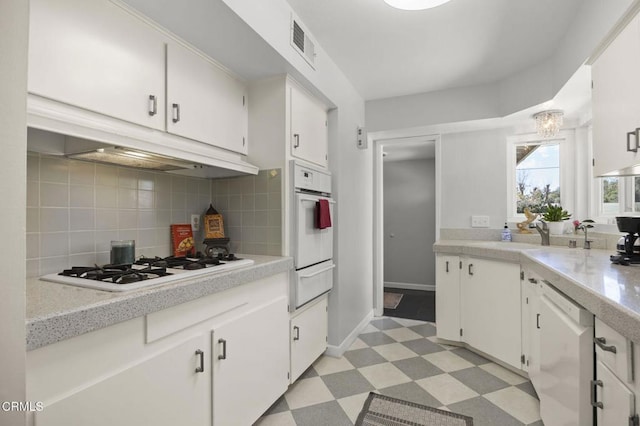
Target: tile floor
<point>400,358</point>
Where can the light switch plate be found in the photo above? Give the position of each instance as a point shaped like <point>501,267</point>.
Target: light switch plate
<point>479,221</point>
<point>195,222</point>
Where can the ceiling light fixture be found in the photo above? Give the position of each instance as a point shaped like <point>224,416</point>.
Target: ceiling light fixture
<point>548,123</point>
<point>415,4</point>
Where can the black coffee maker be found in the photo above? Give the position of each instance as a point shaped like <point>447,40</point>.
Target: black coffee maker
<point>628,246</point>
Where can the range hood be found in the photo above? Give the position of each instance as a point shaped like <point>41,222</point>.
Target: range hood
<point>59,129</point>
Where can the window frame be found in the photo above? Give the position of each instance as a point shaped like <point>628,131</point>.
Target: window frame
<point>566,142</point>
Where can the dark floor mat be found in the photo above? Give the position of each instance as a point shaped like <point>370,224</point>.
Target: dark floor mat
<point>415,304</point>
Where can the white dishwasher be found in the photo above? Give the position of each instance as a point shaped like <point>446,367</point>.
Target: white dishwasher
<point>566,360</point>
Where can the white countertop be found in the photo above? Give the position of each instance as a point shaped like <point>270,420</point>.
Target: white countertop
<point>611,292</point>
<point>56,311</point>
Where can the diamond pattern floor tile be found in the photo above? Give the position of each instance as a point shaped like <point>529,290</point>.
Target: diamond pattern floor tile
<point>404,359</point>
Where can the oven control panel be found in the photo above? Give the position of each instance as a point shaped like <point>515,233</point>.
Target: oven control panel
<point>311,179</point>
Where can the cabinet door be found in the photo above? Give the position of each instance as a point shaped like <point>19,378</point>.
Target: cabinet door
<point>308,337</point>
<point>95,55</point>
<point>531,325</point>
<point>162,390</point>
<point>490,310</point>
<point>250,364</point>
<point>618,402</point>
<point>616,99</point>
<point>308,128</point>
<point>448,297</point>
<point>204,102</point>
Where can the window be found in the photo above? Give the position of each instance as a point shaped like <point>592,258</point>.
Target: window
<point>537,176</point>
<point>619,195</point>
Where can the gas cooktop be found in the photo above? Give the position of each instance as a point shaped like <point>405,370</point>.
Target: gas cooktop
<point>145,272</point>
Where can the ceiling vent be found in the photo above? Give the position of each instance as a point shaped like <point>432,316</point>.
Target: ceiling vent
<point>301,42</point>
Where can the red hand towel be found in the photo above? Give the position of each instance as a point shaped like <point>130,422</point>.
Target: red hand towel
<point>323,214</point>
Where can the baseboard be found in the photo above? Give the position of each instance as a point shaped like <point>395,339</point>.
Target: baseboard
<point>411,286</point>
<point>337,351</point>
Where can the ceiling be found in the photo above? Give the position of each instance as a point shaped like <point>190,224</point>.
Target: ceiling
<point>387,52</point>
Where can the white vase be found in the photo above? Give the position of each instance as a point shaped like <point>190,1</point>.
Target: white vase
<point>556,228</point>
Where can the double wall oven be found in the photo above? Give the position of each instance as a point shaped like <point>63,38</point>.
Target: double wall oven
<point>312,247</point>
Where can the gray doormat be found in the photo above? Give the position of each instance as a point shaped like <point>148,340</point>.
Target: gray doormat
<point>381,410</point>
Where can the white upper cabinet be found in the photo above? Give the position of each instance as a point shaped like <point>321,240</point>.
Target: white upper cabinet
<point>308,128</point>
<point>97,56</point>
<point>204,102</point>
<point>616,102</point>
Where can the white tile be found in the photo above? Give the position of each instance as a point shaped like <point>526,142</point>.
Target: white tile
<point>33,268</point>
<point>146,219</point>
<point>54,195</point>
<point>178,200</point>
<point>306,392</point>
<point>358,344</point>
<point>54,244</point>
<point>103,240</point>
<point>352,405</point>
<point>503,374</point>
<point>81,196</point>
<point>278,419</point>
<point>394,351</point>
<point>33,219</point>
<point>146,238</point>
<point>85,259</point>
<point>447,361</point>
<point>446,389</point>
<point>146,180</point>
<point>145,199</point>
<point>163,218</point>
<point>106,175</point>
<point>33,167</point>
<point>163,182</point>
<point>82,219</point>
<point>127,219</point>
<point>179,216</point>
<point>54,219</point>
<point>518,403</point>
<point>408,322</point>
<point>384,375</point>
<point>33,246</point>
<point>82,242</point>
<point>402,334</point>
<point>106,196</point>
<point>163,238</point>
<point>127,178</point>
<point>53,265</point>
<point>329,365</point>
<point>178,183</point>
<point>369,329</point>
<point>127,198</point>
<point>33,194</point>
<point>106,219</point>
<point>54,170</point>
<point>163,200</point>
<point>82,172</point>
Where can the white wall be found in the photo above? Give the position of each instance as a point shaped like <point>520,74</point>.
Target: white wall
<point>410,215</point>
<point>352,297</point>
<point>14,21</point>
<point>532,86</point>
<point>474,177</point>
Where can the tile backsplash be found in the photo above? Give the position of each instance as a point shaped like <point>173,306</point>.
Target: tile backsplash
<point>251,207</point>
<point>75,209</point>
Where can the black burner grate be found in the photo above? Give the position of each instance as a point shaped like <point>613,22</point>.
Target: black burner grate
<point>118,274</point>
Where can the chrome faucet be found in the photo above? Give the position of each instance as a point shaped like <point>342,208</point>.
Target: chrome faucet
<point>544,233</point>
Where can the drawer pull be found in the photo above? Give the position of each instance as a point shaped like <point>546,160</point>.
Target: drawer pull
<point>313,274</point>
<point>533,281</point>
<point>538,321</point>
<point>200,368</point>
<point>153,105</point>
<point>629,134</point>
<point>470,269</point>
<point>296,329</point>
<point>602,344</point>
<point>594,384</point>
<point>297,140</point>
<point>176,112</point>
<point>224,349</point>
<point>447,266</point>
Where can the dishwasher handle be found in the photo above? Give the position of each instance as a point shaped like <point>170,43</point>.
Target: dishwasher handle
<point>313,274</point>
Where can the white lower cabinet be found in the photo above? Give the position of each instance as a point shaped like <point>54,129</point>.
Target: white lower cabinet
<point>490,308</point>
<point>615,402</point>
<point>249,364</point>
<point>531,291</point>
<point>448,297</point>
<point>308,334</point>
<point>167,388</point>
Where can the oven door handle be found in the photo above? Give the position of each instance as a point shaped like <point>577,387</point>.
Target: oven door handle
<point>328,268</point>
<point>315,200</point>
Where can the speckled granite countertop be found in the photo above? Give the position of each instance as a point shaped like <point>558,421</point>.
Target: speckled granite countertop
<point>56,312</point>
<point>611,292</point>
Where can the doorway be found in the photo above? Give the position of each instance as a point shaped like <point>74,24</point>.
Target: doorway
<point>406,226</point>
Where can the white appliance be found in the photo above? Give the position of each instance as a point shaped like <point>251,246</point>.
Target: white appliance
<point>566,360</point>
<point>312,247</point>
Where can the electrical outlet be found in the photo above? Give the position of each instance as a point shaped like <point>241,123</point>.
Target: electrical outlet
<point>479,221</point>
<point>195,222</point>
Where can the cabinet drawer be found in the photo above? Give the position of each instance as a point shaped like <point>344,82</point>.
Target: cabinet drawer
<point>620,361</point>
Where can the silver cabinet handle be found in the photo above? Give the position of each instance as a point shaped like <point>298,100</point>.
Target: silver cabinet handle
<point>594,384</point>
<point>296,330</point>
<point>470,270</point>
<point>634,134</point>
<point>200,367</point>
<point>602,344</point>
<point>297,138</point>
<point>533,281</point>
<point>538,321</point>
<point>224,349</point>
<point>153,105</point>
<point>176,112</point>
<point>447,266</point>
